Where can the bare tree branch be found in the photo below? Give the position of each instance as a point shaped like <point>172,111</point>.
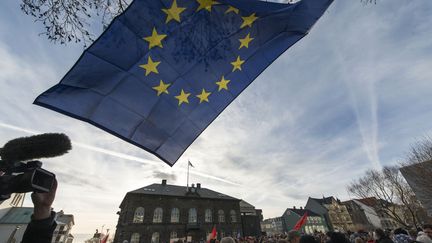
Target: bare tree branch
<point>394,196</point>
<point>68,20</point>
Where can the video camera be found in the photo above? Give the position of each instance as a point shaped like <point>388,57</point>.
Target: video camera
<point>20,172</point>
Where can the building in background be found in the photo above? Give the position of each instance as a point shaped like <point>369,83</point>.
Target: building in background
<point>16,200</point>
<point>62,233</point>
<point>419,178</point>
<point>363,216</point>
<point>386,221</point>
<point>273,226</point>
<point>251,219</point>
<point>333,211</point>
<point>314,222</point>
<point>162,212</point>
<point>14,223</point>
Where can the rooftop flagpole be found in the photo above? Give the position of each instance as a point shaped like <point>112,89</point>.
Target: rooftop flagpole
<point>187,183</point>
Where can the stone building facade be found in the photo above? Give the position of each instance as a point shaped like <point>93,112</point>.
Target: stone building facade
<point>334,212</point>
<point>159,213</point>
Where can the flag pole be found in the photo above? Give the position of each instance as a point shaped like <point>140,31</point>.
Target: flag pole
<point>187,182</point>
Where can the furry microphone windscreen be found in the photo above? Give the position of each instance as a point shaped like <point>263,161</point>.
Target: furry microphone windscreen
<point>34,147</point>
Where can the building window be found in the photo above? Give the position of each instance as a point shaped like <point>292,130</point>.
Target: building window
<point>173,235</point>
<point>155,237</point>
<point>221,216</point>
<point>135,238</point>
<point>233,216</point>
<point>175,215</point>
<point>139,215</point>
<point>208,216</point>
<point>192,215</point>
<point>157,216</point>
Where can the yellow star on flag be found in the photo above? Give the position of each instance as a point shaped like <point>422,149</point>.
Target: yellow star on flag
<point>151,66</point>
<point>248,21</point>
<point>182,97</point>
<point>206,4</point>
<point>237,64</point>
<point>162,88</point>
<point>232,9</point>
<point>245,41</point>
<point>173,12</point>
<point>155,39</point>
<point>203,96</point>
<point>223,84</point>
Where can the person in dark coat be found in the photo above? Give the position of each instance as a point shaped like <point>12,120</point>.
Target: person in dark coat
<point>42,224</point>
<point>381,236</point>
<point>337,237</point>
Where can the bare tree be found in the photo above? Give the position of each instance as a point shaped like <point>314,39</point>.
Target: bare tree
<point>68,20</point>
<point>394,197</point>
<point>420,151</point>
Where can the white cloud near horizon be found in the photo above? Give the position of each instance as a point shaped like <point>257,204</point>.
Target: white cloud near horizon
<point>351,96</point>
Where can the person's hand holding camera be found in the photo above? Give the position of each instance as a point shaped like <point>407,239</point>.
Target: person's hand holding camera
<point>42,224</point>
<point>42,203</point>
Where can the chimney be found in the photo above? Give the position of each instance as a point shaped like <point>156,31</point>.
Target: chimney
<point>199,185</point>
<point>164,182</point>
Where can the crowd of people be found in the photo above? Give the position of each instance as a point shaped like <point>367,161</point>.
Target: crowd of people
<point>377,236</point>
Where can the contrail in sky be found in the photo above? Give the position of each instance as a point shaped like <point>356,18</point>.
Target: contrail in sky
<point>120,155</point>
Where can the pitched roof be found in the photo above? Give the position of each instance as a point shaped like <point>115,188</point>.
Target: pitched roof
<point>369,201</point>
<point>244,204</point>
<point>17,215</point>
<point>301,212</point>
<point>324,200</point>
<point>180,191</point>
<point>65,219</point>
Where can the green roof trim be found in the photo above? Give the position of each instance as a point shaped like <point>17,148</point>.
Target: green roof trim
<point>17,215</point>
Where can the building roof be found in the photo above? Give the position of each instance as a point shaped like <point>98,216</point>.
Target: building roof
<point>246,207</point>
<point>17,215</point>
<point>369,201</point>
<point>180,191</point>
<point>324,200</point>
<point>64,218</point>
<point>302,211</point>
<point>244,204</point>
<point>272,219</point>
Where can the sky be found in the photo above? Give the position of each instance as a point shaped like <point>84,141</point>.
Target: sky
<point>352,95</point>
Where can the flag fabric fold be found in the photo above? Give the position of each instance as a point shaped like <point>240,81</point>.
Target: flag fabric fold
<point>213,233</point>
<point>165,69</point>
<point>105,238</point>
<point>190,164</point>
<point>301,222</point>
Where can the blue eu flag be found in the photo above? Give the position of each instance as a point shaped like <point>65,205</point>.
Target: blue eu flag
<point>165,69</point>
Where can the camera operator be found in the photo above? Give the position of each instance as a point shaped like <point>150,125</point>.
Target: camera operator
<point>42,224</point>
